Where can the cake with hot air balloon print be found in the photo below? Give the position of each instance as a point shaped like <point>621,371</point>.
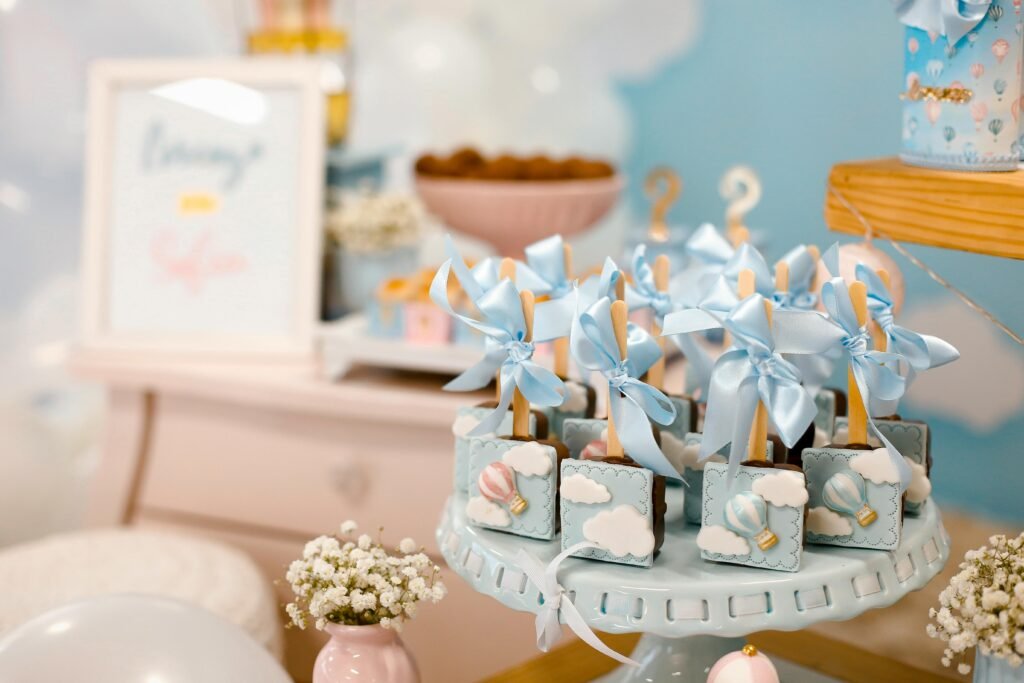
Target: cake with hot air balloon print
<point>962,84</point>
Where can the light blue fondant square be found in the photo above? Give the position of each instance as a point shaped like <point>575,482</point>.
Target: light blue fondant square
<point>885,499</point>
<point>386,320</point>
<point>460,472</point>
<point>632,486</point>
<point>577,432</point>
<point>540,518</point>
<point>558,415</point>
<point>825,420</point>
<point>786,522</point>
<point>911,439</point>
<point>694,478</point>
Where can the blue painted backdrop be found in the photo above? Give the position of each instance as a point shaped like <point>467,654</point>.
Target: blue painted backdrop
<point>791,88</point>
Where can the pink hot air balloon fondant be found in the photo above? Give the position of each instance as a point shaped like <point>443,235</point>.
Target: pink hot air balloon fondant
<point>979,110</point>
<point>913,46</point>
<point>497,482</point>
<point>746,666</point>
<point>1000,49</point>
<point>977,69</point>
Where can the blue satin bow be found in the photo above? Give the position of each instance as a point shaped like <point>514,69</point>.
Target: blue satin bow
<point>747,257</point>
<point>754,369</point>
<point>921,351</point>
<point>546,259</point>
<point>506,352</point>
<point>876,373</point>
<point>802,266</point>
<point>644,293</point>
<point>631,402</point>
<point>950,18</point>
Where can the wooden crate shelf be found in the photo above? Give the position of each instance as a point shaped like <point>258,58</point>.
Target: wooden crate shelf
<point>976,212</point>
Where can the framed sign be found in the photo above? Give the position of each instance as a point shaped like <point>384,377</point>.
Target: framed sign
<point>203,207</point>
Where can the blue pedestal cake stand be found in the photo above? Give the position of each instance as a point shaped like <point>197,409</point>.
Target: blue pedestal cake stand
<point>692,611</point>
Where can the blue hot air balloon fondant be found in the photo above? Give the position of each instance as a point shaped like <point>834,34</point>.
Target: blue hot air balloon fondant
<point>747,515</point>
<point>846,493</point>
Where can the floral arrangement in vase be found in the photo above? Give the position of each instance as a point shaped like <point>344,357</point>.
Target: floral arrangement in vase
<point>373,237</point>
<point>983,607</point>
<point>373,222</point>
<point>360,593</point>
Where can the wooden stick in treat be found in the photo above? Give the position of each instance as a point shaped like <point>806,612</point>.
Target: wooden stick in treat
<point>815,253</point>
<point>562,343</point>
<point>507,270</point>
<point>757,446</point>
<point>620,319</point>
<point>656,373</point>
<point>877,333</point>
<point>858,419</point>
<point>521,406</point>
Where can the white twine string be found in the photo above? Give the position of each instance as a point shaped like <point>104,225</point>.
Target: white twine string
<point>870,233</point>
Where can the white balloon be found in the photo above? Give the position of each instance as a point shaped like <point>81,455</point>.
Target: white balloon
<point>134,639</point>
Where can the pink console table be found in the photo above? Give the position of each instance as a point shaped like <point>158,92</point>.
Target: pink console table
<point>267,458</point>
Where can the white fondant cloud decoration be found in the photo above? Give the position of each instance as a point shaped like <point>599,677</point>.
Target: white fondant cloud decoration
<point>876,467</point>
<point>920,487</point>
<point>464,424</point>
<point>825,522</point>
<point>483,511</point>
<point>529,459</point>
<point>783,489</point>
<point>623,530</point>
<point>576,401</point>
<point>685,456</point>
<point>714,538</point>
<point>579,488</point>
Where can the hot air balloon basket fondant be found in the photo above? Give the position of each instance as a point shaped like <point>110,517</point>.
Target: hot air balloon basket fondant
<point>765,539</point>
<point>971,119</point>
<point>865,516</point>
<point>518,505</point>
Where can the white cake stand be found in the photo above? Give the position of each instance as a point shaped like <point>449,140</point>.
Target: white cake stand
<point>692,611</point>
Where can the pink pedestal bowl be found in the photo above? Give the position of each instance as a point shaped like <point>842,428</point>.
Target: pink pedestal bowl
<point>512,214</point>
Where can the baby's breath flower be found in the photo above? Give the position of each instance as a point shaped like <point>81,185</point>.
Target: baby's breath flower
<point>359,583</point>
<point>983,605</point>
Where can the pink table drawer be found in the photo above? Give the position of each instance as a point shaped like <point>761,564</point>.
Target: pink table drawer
<point>296,472</point>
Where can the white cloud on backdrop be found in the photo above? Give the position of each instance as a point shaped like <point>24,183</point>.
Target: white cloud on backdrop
<point>985,388</point>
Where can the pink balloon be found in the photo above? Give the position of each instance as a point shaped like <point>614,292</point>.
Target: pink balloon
<point>913,80</point>
<point>1000,49</point>
<point>956,84</point>
<point>746,666</point>
<point>977,69</point>
<point>979,110</point>
<point>497,483</point>
<point>933,109</point>
<point>913,46</point>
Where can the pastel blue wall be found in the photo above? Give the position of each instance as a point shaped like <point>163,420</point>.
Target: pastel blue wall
<point>791,88</point>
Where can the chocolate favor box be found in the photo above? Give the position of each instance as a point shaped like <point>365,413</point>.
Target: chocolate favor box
<point>855,498</point>
<point>962,101</point>
<point>513,486</point>
<point>615,503</point>
<point>758,520</point>
<point>913,440</point>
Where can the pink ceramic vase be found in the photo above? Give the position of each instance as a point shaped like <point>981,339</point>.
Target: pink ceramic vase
<point>367,654</point>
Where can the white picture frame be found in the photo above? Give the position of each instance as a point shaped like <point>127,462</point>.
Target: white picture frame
<point>203,211</point>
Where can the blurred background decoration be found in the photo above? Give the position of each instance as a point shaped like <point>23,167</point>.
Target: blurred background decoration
<point>639,84</point>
